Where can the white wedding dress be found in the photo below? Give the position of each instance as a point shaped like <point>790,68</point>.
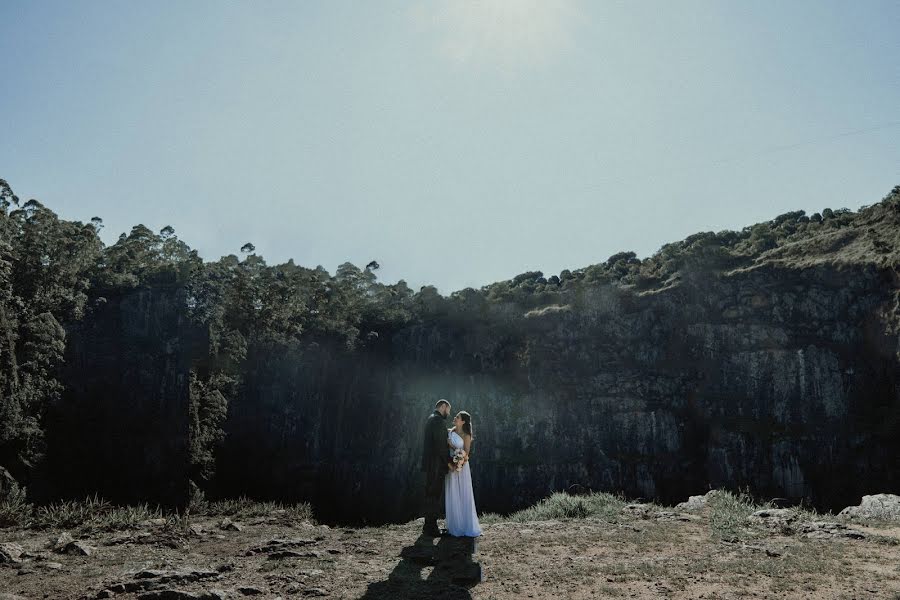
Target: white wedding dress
<point>462,520</point>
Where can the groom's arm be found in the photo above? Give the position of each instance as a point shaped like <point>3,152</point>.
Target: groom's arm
<point>439,443</point>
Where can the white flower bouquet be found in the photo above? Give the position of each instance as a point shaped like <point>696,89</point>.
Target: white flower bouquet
<point>457,459</point>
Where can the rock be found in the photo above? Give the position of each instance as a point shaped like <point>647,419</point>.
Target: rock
<point>229,525</point>
<point>666,515</point>
<point>278,545</point>
<point>311,572</point>
<point>876,506</point>
<point>190,575</point>
<point>196,529</point>
<point>147,573</point>
<point>250,591</point>
<point>172,594</point>
<point>10,552</point>
<point>829,530</point>
<point>314,592</point>
<point>288,554</point>
<point>62,541</point>
<point>696,502</point>
<point>104,594</point>
<point>4,596</point>
<point>641,510</point>
<point>775,513</point>
<point>77,547</point>
<point>65,544</point>
<point>52,565</point>
<point>774,517</point>
<point>153,579</point>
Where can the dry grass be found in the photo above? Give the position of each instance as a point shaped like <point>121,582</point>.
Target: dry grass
<point>96,514</point>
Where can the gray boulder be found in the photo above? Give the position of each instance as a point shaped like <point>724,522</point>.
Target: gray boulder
<point>696,502</point>
<point>876,506</point>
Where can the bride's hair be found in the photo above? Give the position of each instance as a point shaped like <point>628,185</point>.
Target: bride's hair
<point>467,422</point>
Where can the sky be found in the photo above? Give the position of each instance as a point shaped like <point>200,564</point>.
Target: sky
<point>457,143</point>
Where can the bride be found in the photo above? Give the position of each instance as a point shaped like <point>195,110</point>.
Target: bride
<point>462,520</point>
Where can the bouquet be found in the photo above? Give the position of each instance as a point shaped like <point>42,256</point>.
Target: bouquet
<point>457,459</point>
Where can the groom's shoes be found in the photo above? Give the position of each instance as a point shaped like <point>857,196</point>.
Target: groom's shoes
<point>444,533</point>
<point>431,531</point>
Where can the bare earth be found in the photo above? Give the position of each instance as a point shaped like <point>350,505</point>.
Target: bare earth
<point>648,553</point>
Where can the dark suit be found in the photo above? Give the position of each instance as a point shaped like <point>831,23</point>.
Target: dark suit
<point>435,456</point>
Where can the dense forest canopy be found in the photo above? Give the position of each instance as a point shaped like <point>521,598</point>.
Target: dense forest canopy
<point>54,273</point>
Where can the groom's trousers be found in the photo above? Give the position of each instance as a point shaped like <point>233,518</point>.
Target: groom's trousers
<point>434,496</point>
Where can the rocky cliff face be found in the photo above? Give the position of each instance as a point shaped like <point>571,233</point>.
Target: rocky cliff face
<point>778,373</point>
<point>121,429</point>
<point>780,378</point>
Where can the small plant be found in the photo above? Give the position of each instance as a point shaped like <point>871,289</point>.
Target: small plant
<point>244,507</point>
<point>92,514</point>
<point>728,513</point>
<point>563,506</point>
<point>68,514</point>
<point>178,522</point>
<point>15,510</point>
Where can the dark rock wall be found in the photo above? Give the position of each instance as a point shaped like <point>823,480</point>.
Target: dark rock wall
<point>121,429</point>
<point>784,381</point>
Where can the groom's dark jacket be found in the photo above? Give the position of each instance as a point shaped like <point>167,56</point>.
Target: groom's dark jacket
<point>435,452</point>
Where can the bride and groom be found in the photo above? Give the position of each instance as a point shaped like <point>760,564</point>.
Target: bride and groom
<point>445,460</point>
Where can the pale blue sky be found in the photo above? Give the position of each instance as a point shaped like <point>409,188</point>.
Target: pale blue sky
<point>457,143</point>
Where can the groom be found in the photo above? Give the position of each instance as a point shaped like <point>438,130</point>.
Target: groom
<point>434,463</point>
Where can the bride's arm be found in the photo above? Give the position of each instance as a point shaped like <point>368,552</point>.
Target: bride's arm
<point>467,446</point>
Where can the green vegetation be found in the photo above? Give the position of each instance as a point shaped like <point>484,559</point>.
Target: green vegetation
<point>96,514</point>
<point>729,512</point>
<point>599,505</point>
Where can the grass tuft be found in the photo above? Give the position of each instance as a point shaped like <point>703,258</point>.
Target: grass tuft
<point>96,514</point>
<point>563,506</point>
<point>92,514</point>
<point>244,507</point>
<point>15,510</point>
<point>729,513</point>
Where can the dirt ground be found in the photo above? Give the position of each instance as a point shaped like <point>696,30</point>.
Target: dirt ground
<point>644,555</point>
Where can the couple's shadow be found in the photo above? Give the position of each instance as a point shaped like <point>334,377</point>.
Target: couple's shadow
<point>448,568</point>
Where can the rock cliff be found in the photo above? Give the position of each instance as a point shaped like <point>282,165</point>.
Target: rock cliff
<point>780,376</point>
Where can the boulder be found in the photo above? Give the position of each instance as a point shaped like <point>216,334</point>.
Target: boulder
<point>696,502</point>
<point>10,553</point>
<point>876,506</point>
